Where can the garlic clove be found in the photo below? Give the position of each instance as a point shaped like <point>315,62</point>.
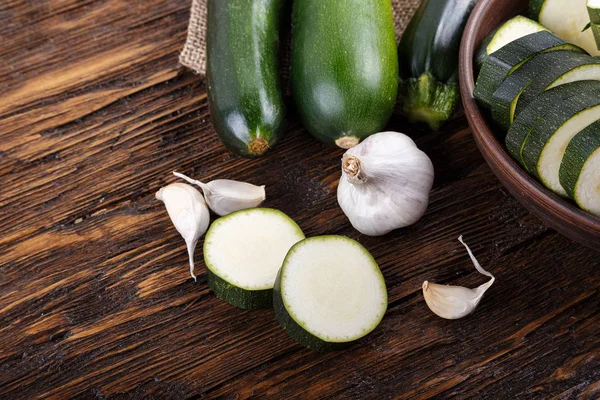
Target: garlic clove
<point>225,196</point>
<point>453,302</point>
<point>188,212</point>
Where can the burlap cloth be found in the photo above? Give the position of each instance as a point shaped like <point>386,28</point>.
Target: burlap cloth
<point>193,55</point>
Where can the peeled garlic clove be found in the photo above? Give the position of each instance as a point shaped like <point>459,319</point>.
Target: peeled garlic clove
<point>385,183</point>
<point>188,212</point>
<point>225,196</point>
<point>453,302</point>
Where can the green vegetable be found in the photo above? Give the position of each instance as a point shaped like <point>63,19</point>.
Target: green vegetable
<point>506,60</point>
<point>593,8</point>
<point>244,91</point>
<point>243,252</point>
<point>530,79</point>
<point>533,115</point>
<point>344,68</point>
<point>579,169</point>
<point>588,69</point>
<point>428,58</point>
<point>329,293</point>
<point>549,123</point>
<point>567,20</point>
<point>596,32</point>
<point>510,31</point>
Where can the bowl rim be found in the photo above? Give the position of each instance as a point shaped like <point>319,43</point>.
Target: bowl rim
<point>527,185</point>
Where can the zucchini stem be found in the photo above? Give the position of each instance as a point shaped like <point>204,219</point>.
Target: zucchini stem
<point>425,99</point>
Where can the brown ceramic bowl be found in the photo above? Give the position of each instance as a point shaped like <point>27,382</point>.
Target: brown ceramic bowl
<point>556,212</point>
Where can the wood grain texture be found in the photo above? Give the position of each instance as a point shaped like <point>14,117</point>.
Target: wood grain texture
<point>95,296</point>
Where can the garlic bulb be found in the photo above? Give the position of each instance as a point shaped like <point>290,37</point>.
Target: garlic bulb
<point>225,196</point>
<point>188,212</point>
<point>453,302</point>
<point>385,183</point>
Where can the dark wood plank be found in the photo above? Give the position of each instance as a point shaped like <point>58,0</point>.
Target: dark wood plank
<point>95,297</point>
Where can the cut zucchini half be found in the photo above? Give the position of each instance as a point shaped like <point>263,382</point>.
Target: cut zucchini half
<point>505,61</point>
<point>580,67</point>
<point>567,20</point>
<point>243,252</point>
<point>544,147</point>
<point>543,67</point>
<point>329,293</point>
<point>580,169</point>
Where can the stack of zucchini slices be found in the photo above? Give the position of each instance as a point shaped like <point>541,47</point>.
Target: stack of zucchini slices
<point>544,95</point>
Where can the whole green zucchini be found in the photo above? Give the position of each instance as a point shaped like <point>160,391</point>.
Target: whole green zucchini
<point>244,89</point>
<point>344,67</point>
<point>428,58</point>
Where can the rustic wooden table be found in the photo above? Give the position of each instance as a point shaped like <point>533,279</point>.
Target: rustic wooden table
<point>95,296</point>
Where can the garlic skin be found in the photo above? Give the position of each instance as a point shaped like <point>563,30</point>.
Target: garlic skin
<point>188,212</point>
<point>225,196</point>
<point>454,302</point>
<point>385,183</point>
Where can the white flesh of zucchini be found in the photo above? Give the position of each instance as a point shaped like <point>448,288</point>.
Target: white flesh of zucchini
<point>247,248</point>
<point>588,72</point>
<point>567,20</point>
<point>587,190</point>
<point>512,30</point>
<point>332,287</point>
<point>549,163</point>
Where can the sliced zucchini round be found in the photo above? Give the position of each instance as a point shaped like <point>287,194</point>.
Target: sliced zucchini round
<point>538,110</point>
<point>588,70</point>
<point>567,19</point>
<point>544,68</point>
<point>593,7</point>
<point>580,169</point>
<point>511,30</point>
<point>243,252</point>
<point>506,60</point>
<point>544,147</point>
<point>329,293</point>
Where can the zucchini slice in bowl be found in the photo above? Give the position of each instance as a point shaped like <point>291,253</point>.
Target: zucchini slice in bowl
<point>566,19</point>
<point>505,61</point>
<point>544,147</point>
<point>329,293</point>
<point>543,67</point>
<point>510,31</point>
<point>539,110</point>
<point>589,70</point>
<point>580,169</point>
<point>243,252</point>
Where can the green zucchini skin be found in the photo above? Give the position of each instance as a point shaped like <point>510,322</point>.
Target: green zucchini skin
<point>542,82</point>
<point>535,8</point>
<point>551,106</point>
<point>295,331</point>
<point>238,297</point>
<point>500,64</point>
<point>244,90</point>
<point>596,30</point>
<point>428,59</point>
<point>344,68</point>
<point>581,147</point>
<point>531,79</point>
